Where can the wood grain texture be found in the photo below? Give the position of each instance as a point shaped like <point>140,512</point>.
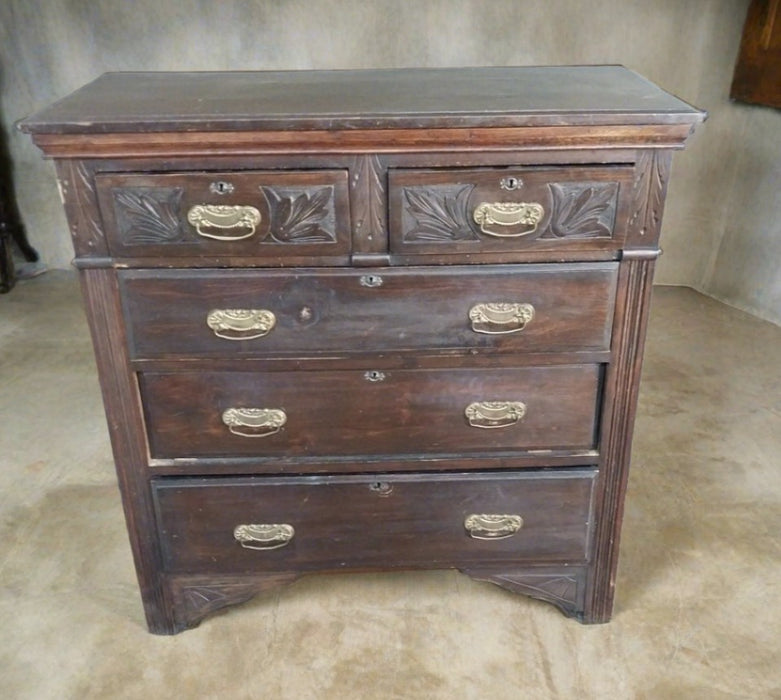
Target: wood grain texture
<point>322,313</point>
<point>622,383</point>
<point>622,378</point>
<point>370,464</point>
<point>360,141</point>
<point>353,99</point>
<point>297,161</point>
<point>349,413</point>
<point>125,423</point>
<point>344,522</point>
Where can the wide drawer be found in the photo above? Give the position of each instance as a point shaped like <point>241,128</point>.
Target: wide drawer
<point>492,210</point>
<point>303,523</point>
<point>192,414</point>
<point>522,308</point>
<point>255,214</point>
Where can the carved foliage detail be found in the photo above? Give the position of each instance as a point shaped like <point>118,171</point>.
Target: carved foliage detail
<point>582,209</point>
<point>148,214</point>
<point>201,600</point>
<point>439,213</point>
<point>368,196</point>
<point>652,172</point>
<point>195,599</point>
<point>301,216</point>
<point>91,231</point>
<point>562,590</point>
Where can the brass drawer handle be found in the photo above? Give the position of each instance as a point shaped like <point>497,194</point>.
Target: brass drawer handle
<point>264,536</point>
<point>500,318</point>
<point>241,324</point>
<point>483,526</point>
<point>254,422</point>
<point>495,414</point>
<point>508,214</point>
<point>225,217</point>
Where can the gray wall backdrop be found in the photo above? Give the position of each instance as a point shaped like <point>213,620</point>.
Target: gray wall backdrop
<point>722,229</point>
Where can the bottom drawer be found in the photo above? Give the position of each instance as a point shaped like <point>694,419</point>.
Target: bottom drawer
<point>305,523</point>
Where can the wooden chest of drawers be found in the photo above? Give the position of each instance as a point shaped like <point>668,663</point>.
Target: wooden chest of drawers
<point>368,319</point>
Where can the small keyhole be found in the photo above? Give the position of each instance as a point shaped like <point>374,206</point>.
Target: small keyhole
<point>221,187</point>
<point>374,376</point>
<point>371,281</point>
<point>381,487</point>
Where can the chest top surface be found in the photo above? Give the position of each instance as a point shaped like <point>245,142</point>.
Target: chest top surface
<point>344,99</point>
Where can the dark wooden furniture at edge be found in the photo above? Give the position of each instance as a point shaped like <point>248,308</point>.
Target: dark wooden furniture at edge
<point>362,320</point>
<point>12,231</point>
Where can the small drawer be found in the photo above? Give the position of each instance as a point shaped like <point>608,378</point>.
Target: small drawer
<point>306,523</point>
<point>506,210</point>
<point>227,214</point>
<point>242,313</point>
<point>376,412</point>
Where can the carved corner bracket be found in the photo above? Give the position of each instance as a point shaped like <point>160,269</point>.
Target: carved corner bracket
<point>565,589</point>
<point>195,597</point>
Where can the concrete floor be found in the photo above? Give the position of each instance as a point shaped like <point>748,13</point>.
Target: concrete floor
<point>697,613</point>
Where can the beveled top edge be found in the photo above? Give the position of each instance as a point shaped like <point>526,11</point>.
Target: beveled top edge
<point>131,102</point>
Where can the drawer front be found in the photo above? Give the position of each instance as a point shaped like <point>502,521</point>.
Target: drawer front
<point>246,214</point>
<point>245,525</point>
<point>506,210</point>
<point>529,308</point>
<point>353,412</point>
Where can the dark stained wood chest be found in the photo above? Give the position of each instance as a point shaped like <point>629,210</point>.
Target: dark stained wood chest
<point>360,320</point>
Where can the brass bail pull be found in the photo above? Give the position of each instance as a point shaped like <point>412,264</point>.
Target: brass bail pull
<point>495,414</point>
<point>264,536</point>
<point>214,220</point>
<point>484,526</point>
<point>500,318</point>
<point>507,215</point>
<point>254,422</point>
<point>241,324</point>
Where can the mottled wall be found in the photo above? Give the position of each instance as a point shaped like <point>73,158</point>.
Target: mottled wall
<point>721,232</point>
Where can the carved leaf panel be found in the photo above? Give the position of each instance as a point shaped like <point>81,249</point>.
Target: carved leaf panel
<point>582,209</point>
<point>301,216</point>
<point>149,215</point>
<point>438,213</point>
